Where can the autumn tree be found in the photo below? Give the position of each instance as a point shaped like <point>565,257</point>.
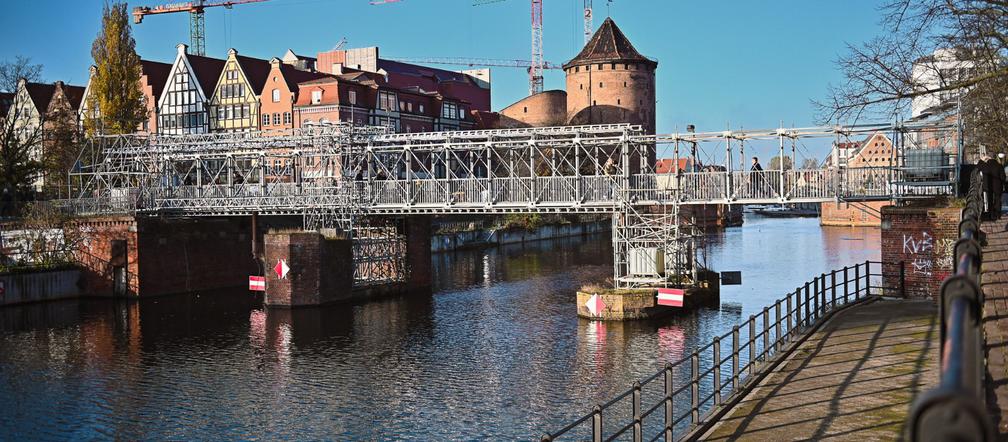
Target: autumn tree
<point>883,75</point>
<point>115,98</point>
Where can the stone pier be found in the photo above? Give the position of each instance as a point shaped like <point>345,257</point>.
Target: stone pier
<point>922,239</point>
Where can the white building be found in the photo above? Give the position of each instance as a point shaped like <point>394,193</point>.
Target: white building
<point>941,68</point>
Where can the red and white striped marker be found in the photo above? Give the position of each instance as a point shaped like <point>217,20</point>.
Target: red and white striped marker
<point>671,297</point>
<point>281,269</point>
<point>257,283</point>
<point>595,305</point>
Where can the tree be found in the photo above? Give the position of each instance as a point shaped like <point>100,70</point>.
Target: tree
<point>12,71</point>
<point>115,87</point>
<point>20,142</point>
<point>810,164</point>
<point>880,76</point>
<point>775,163</point>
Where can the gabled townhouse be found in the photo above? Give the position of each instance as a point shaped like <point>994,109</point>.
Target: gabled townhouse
<point>299,62</point>
<point>153,76</point>
<point>234,106</point>
<point>280,92</point>
<point>184,104</point>
<point>37,109</point>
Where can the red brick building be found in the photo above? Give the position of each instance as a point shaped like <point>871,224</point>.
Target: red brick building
<point>874,151</point>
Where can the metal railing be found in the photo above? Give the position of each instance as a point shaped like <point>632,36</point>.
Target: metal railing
<point>955,410</point>
<point>687,396</point>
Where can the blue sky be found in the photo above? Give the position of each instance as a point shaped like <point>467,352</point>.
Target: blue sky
<point>746,63</point>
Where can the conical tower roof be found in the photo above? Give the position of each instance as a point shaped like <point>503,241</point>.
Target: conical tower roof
<point>609,45</point>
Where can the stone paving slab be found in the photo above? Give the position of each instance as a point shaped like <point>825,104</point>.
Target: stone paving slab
<point>854,379</point>
<point>994,280</point>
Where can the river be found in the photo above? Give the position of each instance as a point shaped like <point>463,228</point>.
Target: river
<point>496,352</point>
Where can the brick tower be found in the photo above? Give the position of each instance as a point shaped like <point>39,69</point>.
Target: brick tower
<point>610,82</point>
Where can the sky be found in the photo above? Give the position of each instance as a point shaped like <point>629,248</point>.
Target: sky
<point>733,63</point>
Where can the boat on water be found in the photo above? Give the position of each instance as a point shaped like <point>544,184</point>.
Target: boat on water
<point>783,211</point>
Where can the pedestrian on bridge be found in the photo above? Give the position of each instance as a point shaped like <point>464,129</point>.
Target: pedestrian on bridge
<point>754,177</point>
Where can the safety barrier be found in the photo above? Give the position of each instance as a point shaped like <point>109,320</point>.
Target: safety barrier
<point>955,409</point>
<point>705,384</point>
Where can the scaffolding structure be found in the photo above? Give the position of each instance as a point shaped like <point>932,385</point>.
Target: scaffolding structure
<point>337,176</point>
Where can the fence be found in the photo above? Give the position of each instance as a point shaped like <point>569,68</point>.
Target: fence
<point>712,377</point>
<point>955,409</point>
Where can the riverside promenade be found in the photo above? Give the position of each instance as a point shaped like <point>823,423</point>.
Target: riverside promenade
<point>853,379</point>
<point>994,281</point>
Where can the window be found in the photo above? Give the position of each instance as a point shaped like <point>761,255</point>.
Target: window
<point>287,118</point>
<point>581,86</point>
<point>600,66</point>
<point>409,106</point>
<point>316,97</point>
<point>352,97</point>
<point>276,95</point>
<point>624,84</point>
<point>449,110</point>
<point>276,119</point>
<point>600,85</point>
<point>577,68</point>
<point>618,102</point>
<point>613,67</point>
<point>421,108</point>
<point>525,109</point>
<point>220,112</point>
<point>265,119</point>
<point>387,101</point>
<point>241,90</point>
<point>230,112</point>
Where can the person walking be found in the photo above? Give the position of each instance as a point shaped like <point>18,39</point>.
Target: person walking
<point>754,178</point>
<point>992,177</point>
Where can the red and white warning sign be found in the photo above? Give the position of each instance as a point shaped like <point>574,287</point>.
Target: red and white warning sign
<point>257,283</point>
<point>595,305</point>
<point>671,297</point>
<point>281,269</point>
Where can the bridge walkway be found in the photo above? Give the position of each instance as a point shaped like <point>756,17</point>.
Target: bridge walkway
<point>994,279</point>
<point>854,379</point>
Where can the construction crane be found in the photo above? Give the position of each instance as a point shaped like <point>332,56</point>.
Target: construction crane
<point>197,23</point>
<point>538,62</point>
<point>473,62</point>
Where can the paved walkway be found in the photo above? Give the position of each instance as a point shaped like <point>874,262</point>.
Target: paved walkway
<point>994,279</point>
<point>854,379</point>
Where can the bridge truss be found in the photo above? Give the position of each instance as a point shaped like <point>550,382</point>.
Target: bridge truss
<point>337,176</point>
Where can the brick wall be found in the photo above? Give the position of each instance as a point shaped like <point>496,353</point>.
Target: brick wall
<point>921,238</point>
<point>616,93</point>
<point>867,214</point>
<point>545,109</point>
<point>321,270</point>
<point>179,256</point>
<point>94,253</point>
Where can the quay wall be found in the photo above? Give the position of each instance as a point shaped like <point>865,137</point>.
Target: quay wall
<point>866,214</point>
<point>446,242</point>
<point>922,238</point>
<point>18,288</point>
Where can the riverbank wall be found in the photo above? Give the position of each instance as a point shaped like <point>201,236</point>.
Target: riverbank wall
<point>491,237</point>
<point>20,288</point>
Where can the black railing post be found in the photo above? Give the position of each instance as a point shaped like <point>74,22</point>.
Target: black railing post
<point>637,435</point>
<point>735,358</point>
<point>695,387</point>
<point>766,333</point>
<point>867,277</point>
<point>857,281</point>
<point>597,424</point>
<point>833,289</point>
<point>822,296</point>
<point>717,370</point>
<point>902,281</point>
<point>846,286</point>
<point>752,344</point>
<point>790,329</point>
<point>815,296</point>
<point>669,415</point>
<point>777,330</point>
<point>806,318</point>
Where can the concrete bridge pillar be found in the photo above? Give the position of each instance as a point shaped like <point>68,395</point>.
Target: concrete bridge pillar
<point>307,268</point>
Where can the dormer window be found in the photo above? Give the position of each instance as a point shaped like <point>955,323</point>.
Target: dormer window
<point>316,97</point>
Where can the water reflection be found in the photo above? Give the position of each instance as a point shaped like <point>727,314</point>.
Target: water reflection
<point>496,353</point>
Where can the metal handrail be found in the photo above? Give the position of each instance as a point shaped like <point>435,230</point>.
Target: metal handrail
<point>727,376</point>
<point>955,409</point>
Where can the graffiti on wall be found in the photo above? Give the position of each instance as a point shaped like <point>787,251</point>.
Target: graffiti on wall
<point>919,249</point>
